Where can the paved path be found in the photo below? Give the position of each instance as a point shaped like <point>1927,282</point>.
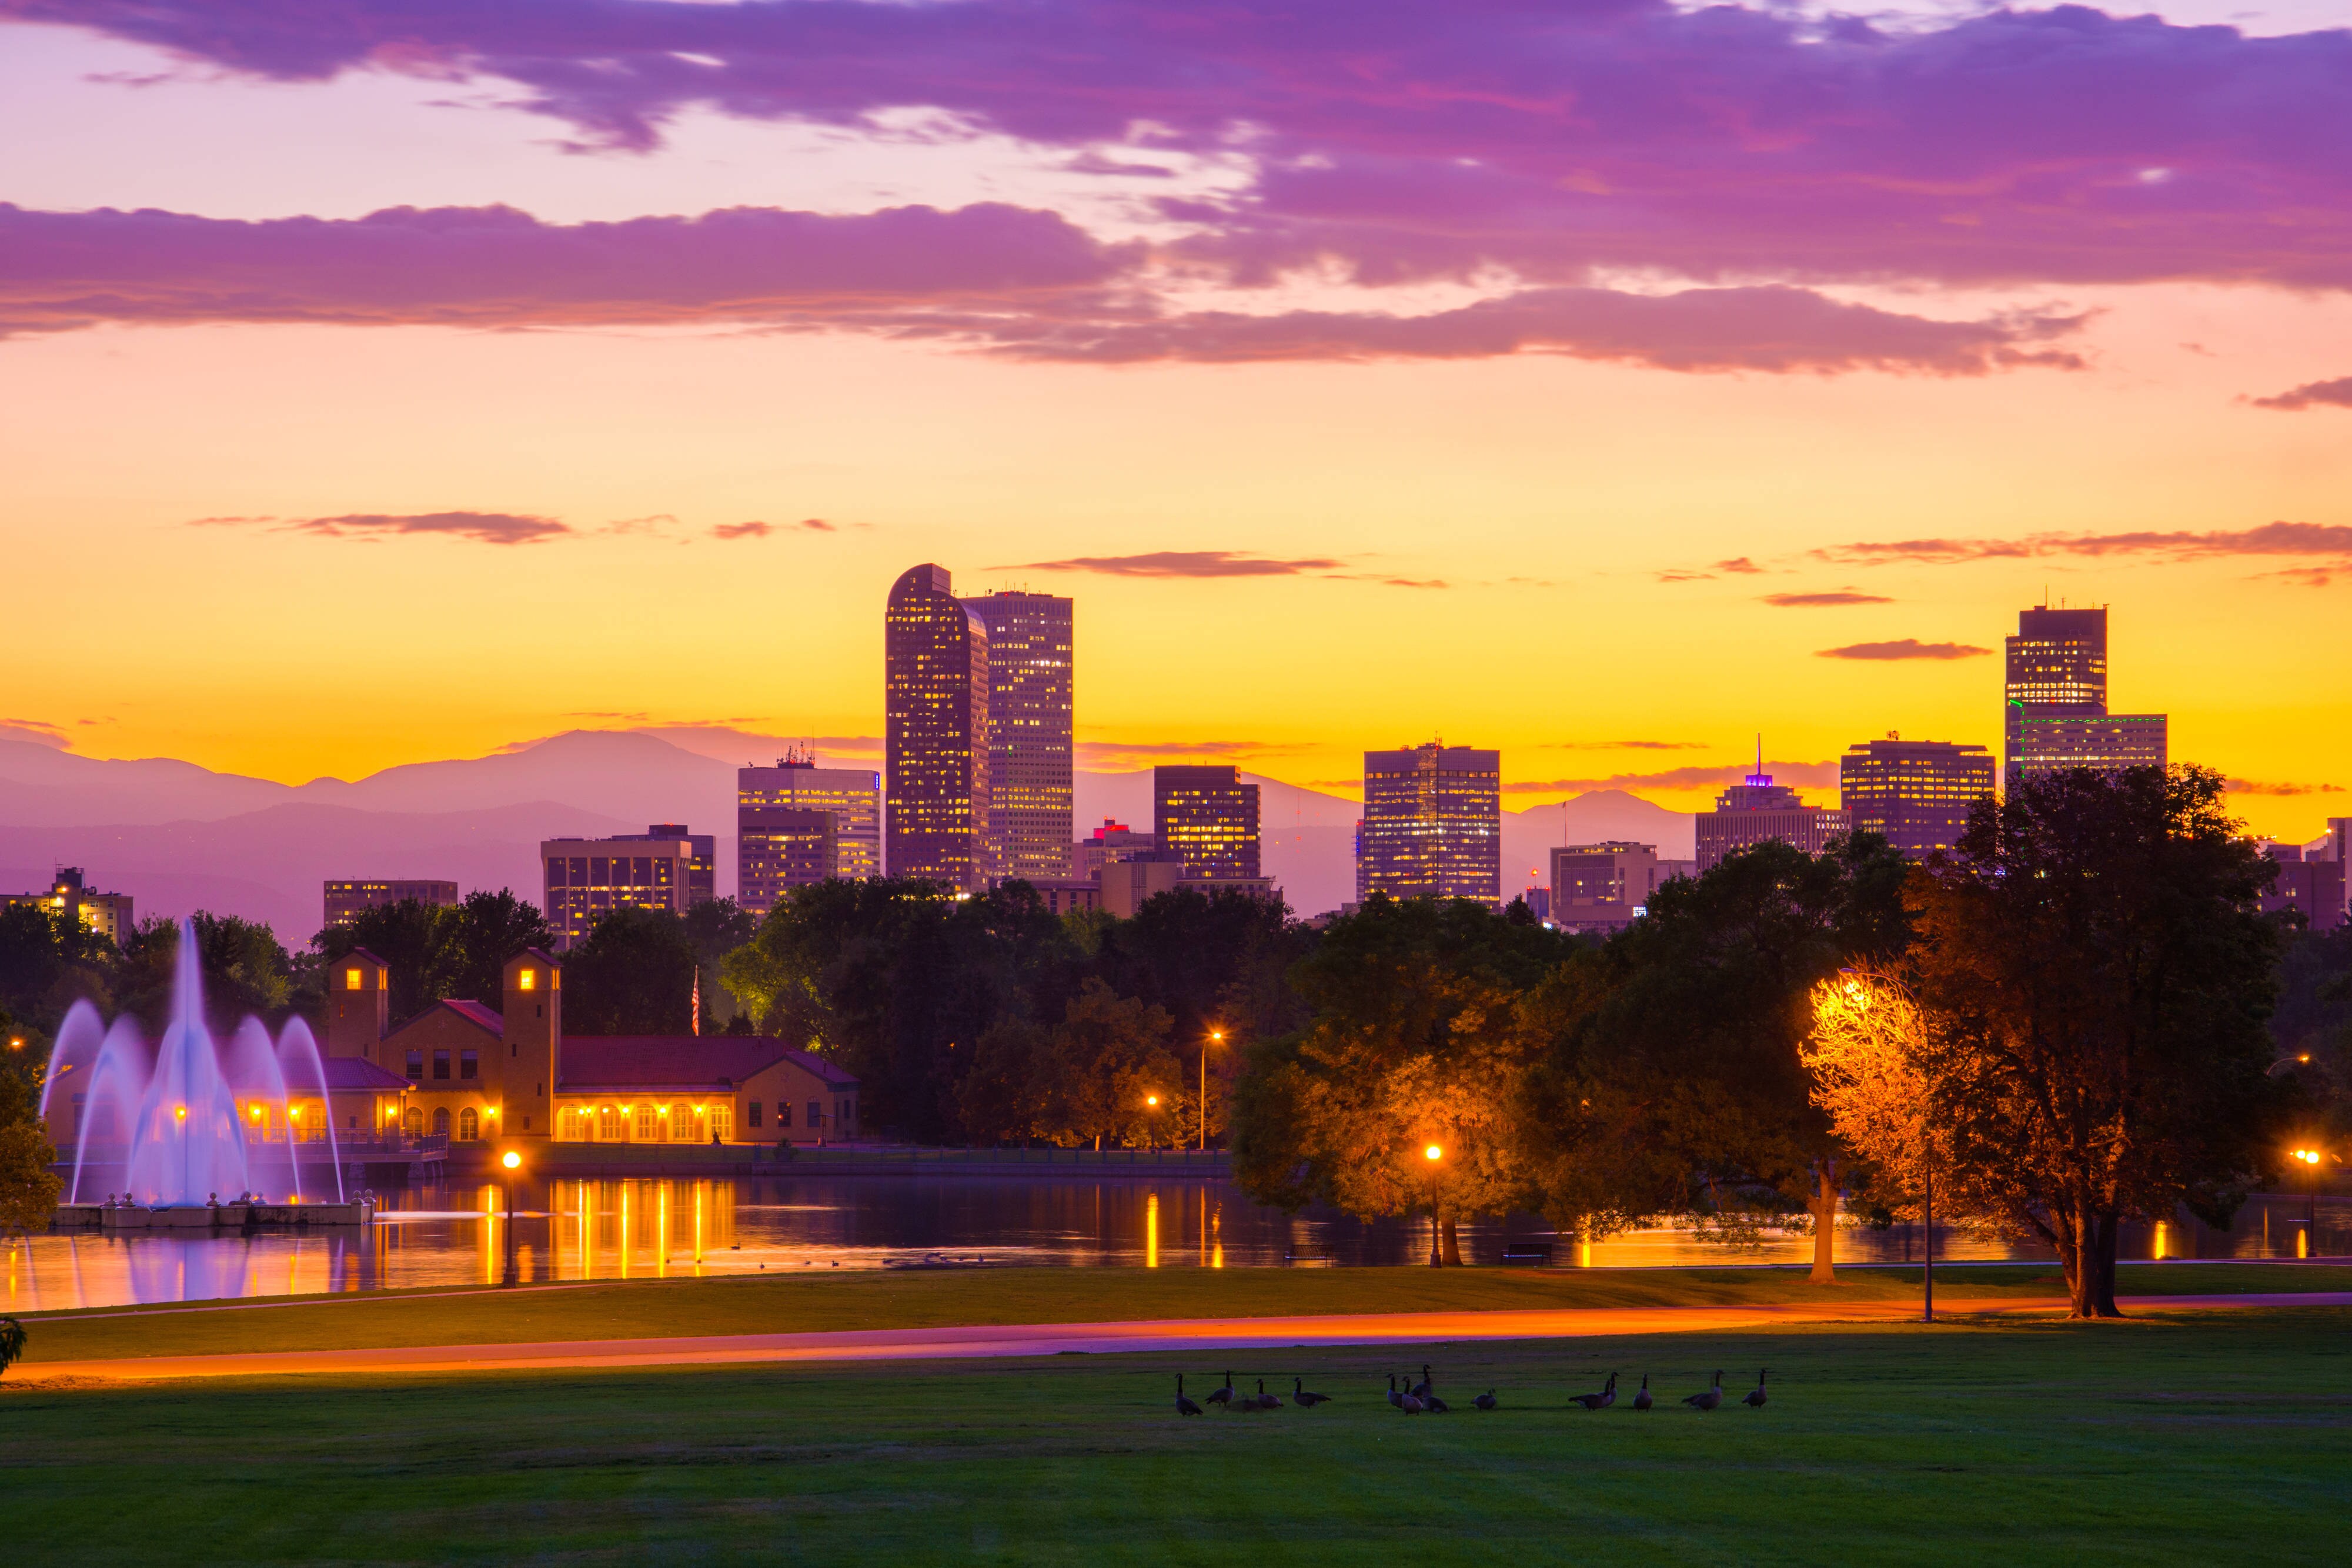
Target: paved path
<point>1188,1334</point>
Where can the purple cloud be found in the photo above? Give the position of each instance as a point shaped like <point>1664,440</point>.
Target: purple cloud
<point>2257,787</point>
<point>1423,138</point>
<point>1182,563</point>
<point>2337,393</point>
<point>1814,774</point>
<point>497,267</point>
<point>1818,601</point>
<point>484,528</point>
<point>2331,540</point>
<point>752,530</point>
<point>1905,648</point>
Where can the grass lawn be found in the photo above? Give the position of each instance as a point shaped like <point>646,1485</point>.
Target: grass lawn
<point>2200,1440</point>
<point>789,1304</point>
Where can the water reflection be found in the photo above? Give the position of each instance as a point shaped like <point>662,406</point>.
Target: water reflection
<point>648,1228</point>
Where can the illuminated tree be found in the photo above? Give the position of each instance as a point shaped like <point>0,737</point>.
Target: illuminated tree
<point>1868,1054</point>
<point>29,1191</point>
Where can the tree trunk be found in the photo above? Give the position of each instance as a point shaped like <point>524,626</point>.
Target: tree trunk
<point>1824,1212</point>
<point>1452,1247</point>
<point>2076,1252</point>
<point>2102,1267</point>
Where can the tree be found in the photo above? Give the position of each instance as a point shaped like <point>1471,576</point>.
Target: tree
<point>440,951</point>
<point>1112,1074</point>
<point>633,975</point>
<point>714,929</point>
<point>1683,1063</point>
<point>2098,974</point>
<point>1416,1037</point>
<point>245,970</point>
<point>29,1191</point>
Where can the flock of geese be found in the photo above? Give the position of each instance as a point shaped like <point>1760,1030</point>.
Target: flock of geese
<point>1419,1399</point>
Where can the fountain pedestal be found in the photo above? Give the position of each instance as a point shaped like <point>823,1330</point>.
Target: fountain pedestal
<point>208,1217</point>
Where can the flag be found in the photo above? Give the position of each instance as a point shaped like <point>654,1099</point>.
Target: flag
<point>697,999</point>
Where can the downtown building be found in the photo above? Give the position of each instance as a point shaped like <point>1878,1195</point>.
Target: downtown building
<point>2056,713</point>
<point>1600,888</point>
<point>1756,811</point>
<point>347,898</point>
<point>935,702</point>
<point>797,824</point>
<point>1433,824</point>
<point>1915,794</point>
<point>1030,749</point>
<point>664,867</point>
<point>1208,818</point>
<point>69,897</point>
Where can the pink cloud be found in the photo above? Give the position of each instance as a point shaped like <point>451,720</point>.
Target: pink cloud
<point>2331,540</point>
<point>2337,393</point>
<point>1905,648</point>
<point>1423,138</point>
<point>483,527</point>
<point>1815,774</point>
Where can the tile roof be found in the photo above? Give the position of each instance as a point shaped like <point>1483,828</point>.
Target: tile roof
<point>681,1061</point>
<point>350,1072</point>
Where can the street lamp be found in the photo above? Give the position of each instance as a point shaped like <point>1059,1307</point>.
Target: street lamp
<point>513,1163</point>
<point>1216,1036</point>
<point>1436,1258</point>
<point>2311,1202</point>
<point>1151,1103</point>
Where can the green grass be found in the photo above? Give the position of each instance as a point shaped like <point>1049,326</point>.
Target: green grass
<point>2199,1440</point>
<point>865,1299</point>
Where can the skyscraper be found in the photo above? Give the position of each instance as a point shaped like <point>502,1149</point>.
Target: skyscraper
<point>1916,794</point>
<point>1433,824</point>
<point>1208,816</point>
<point>935,686</point>
<point>1029,743</point>
<point>779,848</point>
<point>587,879</point>
<point>1756,811</point>
<point>2055,716</point>
<point>853,796</point>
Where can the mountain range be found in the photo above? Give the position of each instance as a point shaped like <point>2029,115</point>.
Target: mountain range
<point>178,837</point>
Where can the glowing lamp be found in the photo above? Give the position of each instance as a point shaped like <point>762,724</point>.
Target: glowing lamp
<point>257,1112</point>
<point>1151,1099</point>
<point>513,1161</point>
<point>1434,1152</point>
<point>180,1112</point>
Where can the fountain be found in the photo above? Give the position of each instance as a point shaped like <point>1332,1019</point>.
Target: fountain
<point>194,1132</point>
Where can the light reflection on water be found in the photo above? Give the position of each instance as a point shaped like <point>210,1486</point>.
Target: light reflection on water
<point>656,1229</point>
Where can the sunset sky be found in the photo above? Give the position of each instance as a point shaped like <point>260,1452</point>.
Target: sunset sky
<point>1606,382</point>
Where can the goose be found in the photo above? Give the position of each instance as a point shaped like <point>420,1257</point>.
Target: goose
<point>1434,1405</point>
<point>1305,1398</point>
<point>1755,1400</point>
<point>1267,1401</point>
<point>1394,1397</point>
<point>1708,1400</point>
<point>1185,1406</point>
<point>1641,1400</point>
<point>1224,1396</point>
<point>1421,1389</point>
<point>1411,1404</point>
<point>1603,1400</point>
<point>1485,1401</point>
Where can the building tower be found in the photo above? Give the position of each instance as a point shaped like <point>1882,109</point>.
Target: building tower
<point>1029,732</point>
<point>935,716</point>
<point>2056,713</point>
<point>1756,811</point>
<point>1209,816</point>
<point>776,830</point>
<point>1433,824</point>
<point>1915,794</point>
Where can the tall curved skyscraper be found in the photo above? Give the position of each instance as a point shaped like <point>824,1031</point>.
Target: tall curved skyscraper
<point>935,702</point>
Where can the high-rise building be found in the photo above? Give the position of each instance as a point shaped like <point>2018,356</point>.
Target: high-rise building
<point>107,914</point>
<point>1029,734</point>
<point>1107,845</point>
<point>1207,816</point>
<point>853,795</point>
<point>2310,887</point>
<point>587,879</point>
<point>1606,887</point>
<point>349,898</point>
<point>779,848</point>
<point>1915,794</point>
<point>1433,824</point>
<point>701,870</point>
<point>935,687</point>
<point>1756,811</point>
<point>2055,714</point>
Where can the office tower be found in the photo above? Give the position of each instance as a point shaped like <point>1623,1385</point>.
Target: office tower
<point>779,848</point>
<point>1029,745</point>
<point>2056,716</point>
<point>1107,845</point>
<point>2305,885</point>
<point>1433,824</point>
<point>587,879</point>
<point>702,871</point>
<point>1208,816</point>
<point>1756,811</point>
<point>107,914</point>
<point>935,715</point>
<point>348,899</point>
<point>853,796</point>
<point>1605,887</point>
<point>1915,794</point>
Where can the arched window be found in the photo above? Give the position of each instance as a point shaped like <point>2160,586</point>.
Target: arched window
<point>722,1123</point>
<point>441,1122</point>
<point>608,1124</point>
<point>414,1121</point>
<point>649,1124</point>
<point>469,1125</point>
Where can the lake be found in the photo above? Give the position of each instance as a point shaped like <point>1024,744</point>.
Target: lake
<point>456,1234</point>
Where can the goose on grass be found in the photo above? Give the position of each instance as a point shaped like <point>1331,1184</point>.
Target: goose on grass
<point>1485,1401</point>
<point>1755,1400</point>
<point>1708,1399</point>
<point>1641,1400</point>
<point>1185,1406</point>
<point>1305,1398</point>
<point>1224,1396</point>
<point>1603,1400</point>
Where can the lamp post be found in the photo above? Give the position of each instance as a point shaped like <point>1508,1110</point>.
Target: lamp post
<point>1929,1315</point>
<point>1436,1258</point>
<point>1216,1036</point>
<point>513,1162</point>
<point>2311,1202</point>
<point>1151,1103</point>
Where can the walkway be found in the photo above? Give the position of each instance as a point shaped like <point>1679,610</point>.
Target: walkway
<point>1187,1335</point>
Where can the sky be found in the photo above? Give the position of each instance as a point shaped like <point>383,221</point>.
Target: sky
<point>1606,382</point>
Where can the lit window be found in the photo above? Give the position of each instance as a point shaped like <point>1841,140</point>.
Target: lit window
<point>351,979</point>
<point>529,980</point>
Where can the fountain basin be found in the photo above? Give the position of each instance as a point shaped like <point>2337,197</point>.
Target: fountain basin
<point>210,1217</point>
